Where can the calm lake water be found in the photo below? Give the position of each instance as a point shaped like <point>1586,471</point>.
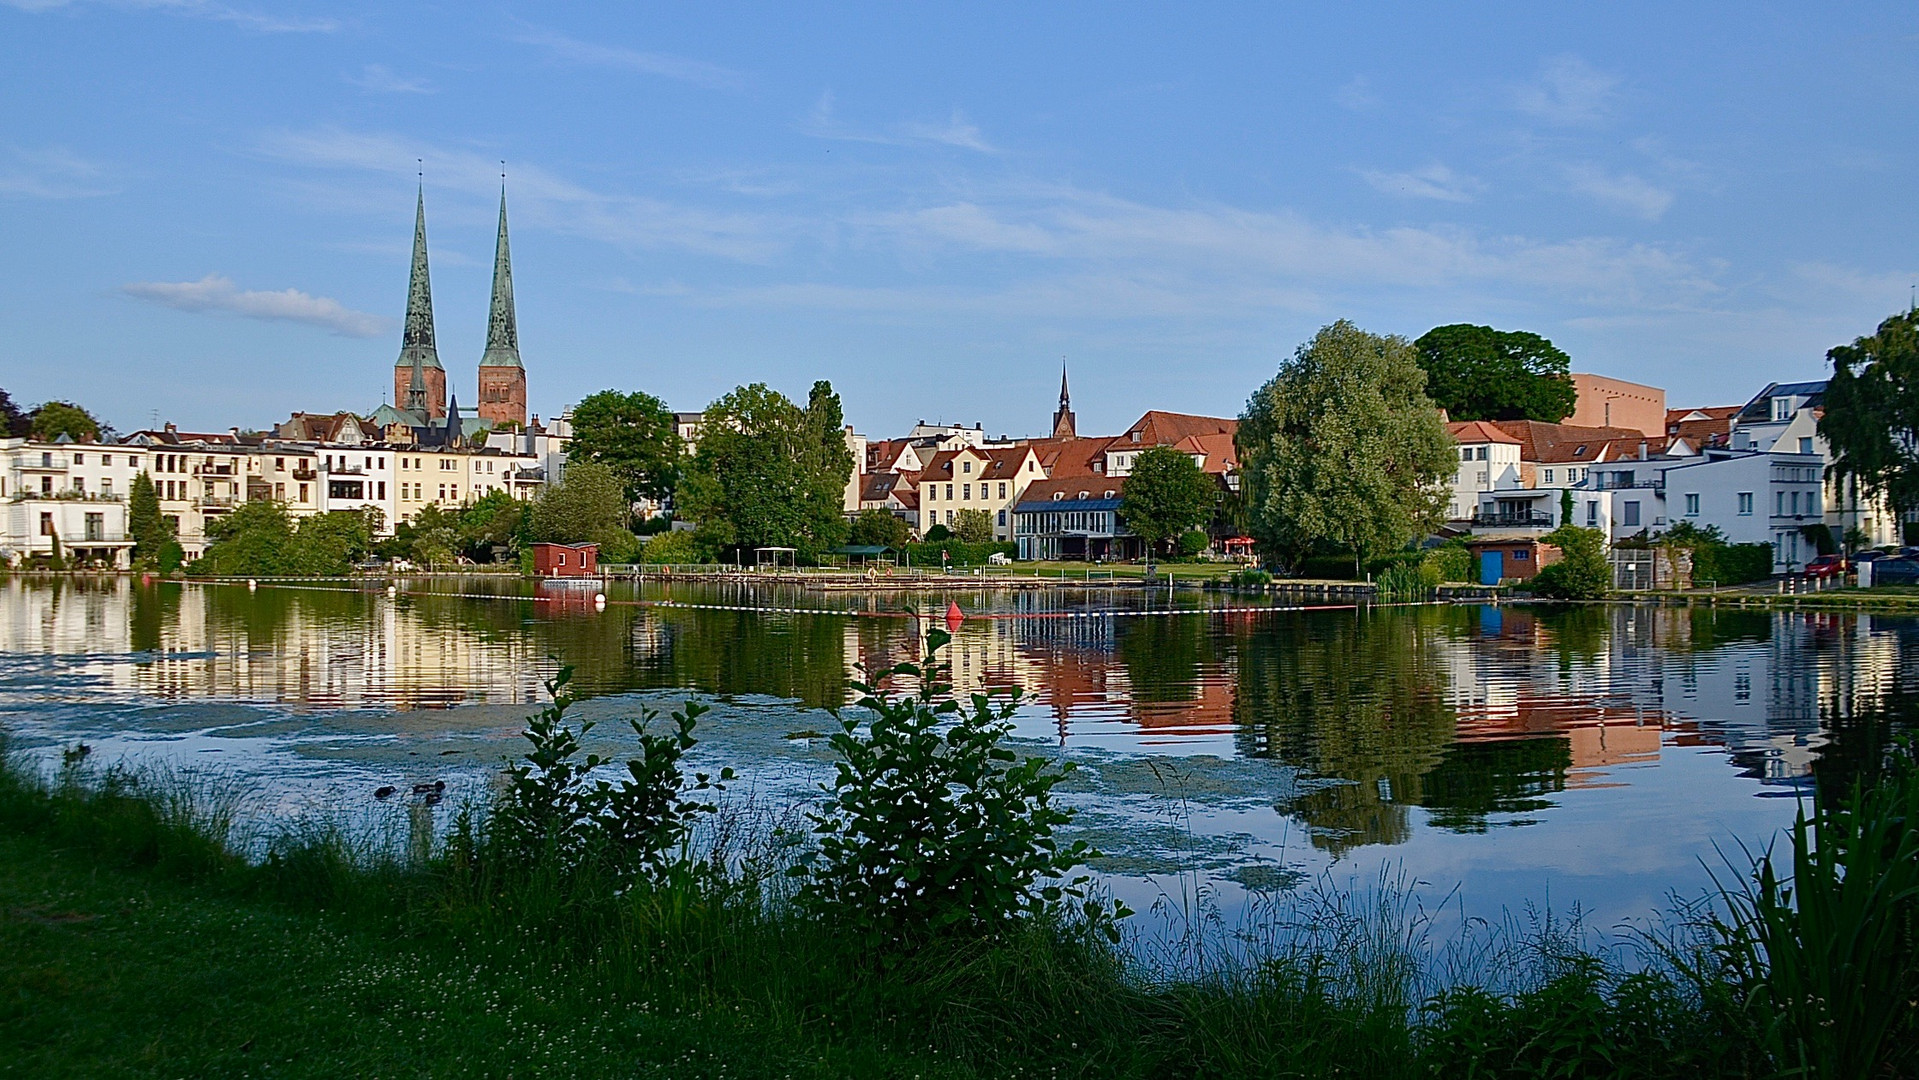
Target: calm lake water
<point>1502,755</point>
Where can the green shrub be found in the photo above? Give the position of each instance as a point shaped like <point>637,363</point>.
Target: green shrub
<point>1582,572</point>
<point>1408,581</point>
<point>933,828</point>
<point>1193,542</point>
<point>1452,561</point>
<point>1250,577</point>
<point>676,548</point>
<point>554,815</point>
<point>938,533</point>
<point>1731,564</point>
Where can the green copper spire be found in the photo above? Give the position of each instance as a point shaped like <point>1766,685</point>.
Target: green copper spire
<point>416,342</point>
<point>502,330</point>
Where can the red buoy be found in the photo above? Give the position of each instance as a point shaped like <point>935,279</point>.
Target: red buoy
<point>954,617</point>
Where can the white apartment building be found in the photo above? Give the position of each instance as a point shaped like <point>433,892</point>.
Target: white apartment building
<point>1749,495</point>
<point>1784,417</point>
<point>1489,461</point>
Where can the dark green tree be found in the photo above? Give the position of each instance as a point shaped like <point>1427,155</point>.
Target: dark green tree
<point>1343,448</point>
<point>1478,373</point>
<point>150,532</point>
<point>634,435</point>
<point>973,526</point>
<point>57,418</point>
<point>1165,495</point>
<point>768,473</point>
<point>13,421</point>
<point>1871,415</point>
<point>879,527</point>
<point>587,506</point>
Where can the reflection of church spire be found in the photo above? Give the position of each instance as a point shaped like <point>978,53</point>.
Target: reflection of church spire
<point>1063,423</point>
<point>502,331</point>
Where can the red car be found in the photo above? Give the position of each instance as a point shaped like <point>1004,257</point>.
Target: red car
<point>1826,566</point>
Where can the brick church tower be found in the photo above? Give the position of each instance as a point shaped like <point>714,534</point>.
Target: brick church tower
<point>502,377</point>
<point>419,382</point>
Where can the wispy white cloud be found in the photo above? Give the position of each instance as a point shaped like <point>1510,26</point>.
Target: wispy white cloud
<point>1569,92</point>
<point>219,294</point>
<point>52,172</point>
<point>1358,95</point>
<point>1434,181</point>
<point>263,22</point>
<point>1624,192</point>
<point>821,122</point>
<point>541,197</point>
<point>573,50</point>
<point>380,79</point>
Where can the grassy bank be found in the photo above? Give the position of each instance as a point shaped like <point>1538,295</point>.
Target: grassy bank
<point>135,940</point>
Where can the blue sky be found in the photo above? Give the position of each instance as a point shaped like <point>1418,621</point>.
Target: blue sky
<point>206,206</point>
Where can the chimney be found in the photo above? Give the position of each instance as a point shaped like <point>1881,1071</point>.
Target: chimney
<point>1642,449</point>
<point>170,429</point>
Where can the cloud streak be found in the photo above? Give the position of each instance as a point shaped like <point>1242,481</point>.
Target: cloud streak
<point>678,68</point>
<point>1434,181</point>
<point>380,79</point>
<point>52,172</point>
<point>215,293</point>
<point>1623,192</point>
<point>821,122</point>
<point>258,21</point>
<point>1568,92</point>
<point>542,198</point>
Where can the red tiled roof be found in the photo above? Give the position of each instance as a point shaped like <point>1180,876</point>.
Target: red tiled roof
<point>1159,428</point>
<point>1479,431</point>
<point>1070,487</point>
<point>1553,444</point>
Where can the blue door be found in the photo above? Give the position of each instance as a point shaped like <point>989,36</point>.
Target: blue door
<point>1492,567</point>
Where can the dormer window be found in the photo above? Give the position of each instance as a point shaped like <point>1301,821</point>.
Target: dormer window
<point>1085,494</point>
<point>1058,495</point>
<point>1135,436</point>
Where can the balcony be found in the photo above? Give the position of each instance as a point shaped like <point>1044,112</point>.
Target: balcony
<point>214,470</point>
<point>305,472</point>
<point>1613,485</point>
<point>1523,519</point>
<point>222,501</point>
<point>39,463</point>
<point>347,470</point>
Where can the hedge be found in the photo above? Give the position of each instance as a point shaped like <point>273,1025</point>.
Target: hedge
<point>1731,564</point>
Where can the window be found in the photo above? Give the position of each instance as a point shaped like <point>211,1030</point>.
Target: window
<point>1795,504</point>
<point>1522,555</point>
<point>1579,451</point>
<point>106,488</point>
<point>1465,453</point>
<point>1480,453</point>
<point>1002,489</point>
<point>279,493</point>
<point>966,491</point>
<point>1781,408</point>
<point>382,488</point>
<point>1629,514</point>
<point>559,559</point>
<point>79,459</point>
<point>1002,519</point>
<point>1812,502</point>
<point>966,466</point>
<point>46,525</point>
<point>79,485</point>
<point>1778,504</point>
<point>1546,476</point>
<point>1692,505</point>
<point>106,459</point>
<point>1745,504</point>
<point>949,495</point>
<point>279,464</point>
<point>1805,445</point>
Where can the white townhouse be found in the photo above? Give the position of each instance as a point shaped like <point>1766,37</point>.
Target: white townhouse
<point>1751,496</point>
<point>1785,417</point>
<point>1489,461</point>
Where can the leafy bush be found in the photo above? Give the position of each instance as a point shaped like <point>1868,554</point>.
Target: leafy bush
<point>1250,577</point>
<point>933,828</point>
<point>1193,542</point>
<point>1732,564</point>
<point>677,548</point>
<point>973,527</point>
<point>1408,581</point>
<point>555,814</point>
<point>1452,561</point>
<point>938,533</point>
<point>879,528</point>
<point>1582,572</point>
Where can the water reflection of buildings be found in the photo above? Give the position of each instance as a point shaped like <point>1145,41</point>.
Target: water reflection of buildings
<point>327,651</point>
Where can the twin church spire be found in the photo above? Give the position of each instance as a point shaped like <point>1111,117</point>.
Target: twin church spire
<point>420,381</point>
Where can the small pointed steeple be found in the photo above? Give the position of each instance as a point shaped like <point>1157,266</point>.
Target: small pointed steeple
<point>1064,424</point>
<point>416,341</point>
<point>502,330</point>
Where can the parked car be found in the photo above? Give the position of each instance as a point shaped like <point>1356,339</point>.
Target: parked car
<point>1870,555</point>
<point>1826,566</point>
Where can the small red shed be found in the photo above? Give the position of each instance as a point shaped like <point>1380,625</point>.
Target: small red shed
<point>566,560</point>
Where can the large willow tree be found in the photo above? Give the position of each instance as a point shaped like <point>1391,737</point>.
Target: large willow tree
<point>1872,412</point>
<point>1344,450</point>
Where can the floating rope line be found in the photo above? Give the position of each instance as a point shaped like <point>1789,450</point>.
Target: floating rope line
<point>678,605</point>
